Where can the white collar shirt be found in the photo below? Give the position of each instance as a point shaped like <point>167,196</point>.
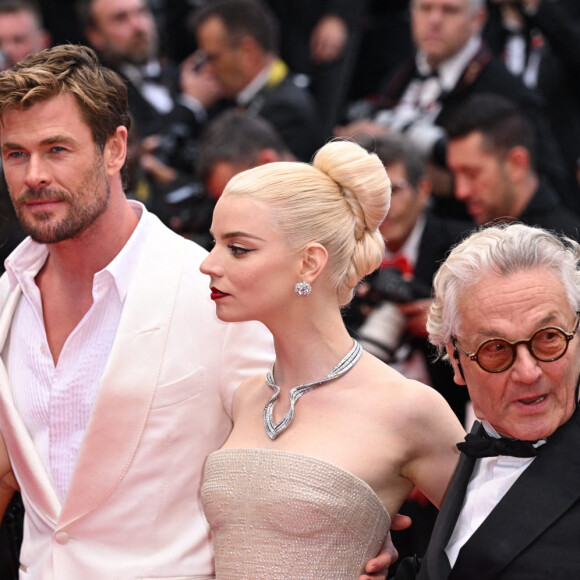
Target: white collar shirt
<point>411,362</point>
<point>421,101</point>
<point>154,92</point>
<point>246,95</point>
<point>491,479</point>
<point>56,401</point>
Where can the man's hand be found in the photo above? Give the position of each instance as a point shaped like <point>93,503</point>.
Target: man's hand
<point>378,567</point>
<point>199,82</point>
<point>528,6</point>
<point>161,172</point>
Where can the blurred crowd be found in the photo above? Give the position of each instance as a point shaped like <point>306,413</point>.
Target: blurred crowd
<point>314,70</point>
<point>472,105</point>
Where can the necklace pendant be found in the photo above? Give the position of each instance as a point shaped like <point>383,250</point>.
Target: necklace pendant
<point>274,429</point>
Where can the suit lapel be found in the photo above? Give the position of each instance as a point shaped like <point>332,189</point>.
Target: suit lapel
<point>28,466</point>
<point>536,500</point>
<point>435,562</point>
<point>130,379</point>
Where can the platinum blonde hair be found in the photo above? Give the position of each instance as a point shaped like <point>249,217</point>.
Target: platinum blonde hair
<point>500,251</point>
<point>338,201</point>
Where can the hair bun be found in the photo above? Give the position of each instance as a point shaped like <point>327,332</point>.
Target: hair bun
<point>362,178</point>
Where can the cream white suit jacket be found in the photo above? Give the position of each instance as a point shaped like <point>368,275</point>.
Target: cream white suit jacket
<point>133,508</point>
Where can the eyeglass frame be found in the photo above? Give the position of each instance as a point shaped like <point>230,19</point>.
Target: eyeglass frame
<point>473,356</point>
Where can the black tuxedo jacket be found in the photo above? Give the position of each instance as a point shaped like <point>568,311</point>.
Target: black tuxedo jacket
<point>532,534</point>
<point>148,120</point>
<point>546,210</point>
<point>439,236</point>
<point>485,73</point>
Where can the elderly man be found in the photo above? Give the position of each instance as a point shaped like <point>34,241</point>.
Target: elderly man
<point>506,312</point>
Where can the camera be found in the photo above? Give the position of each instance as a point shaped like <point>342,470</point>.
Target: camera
<point>177,148</point>
<point>383,332</point>
<point>389,284</point>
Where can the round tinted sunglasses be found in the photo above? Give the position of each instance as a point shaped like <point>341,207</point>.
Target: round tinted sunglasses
<point>496,355</point>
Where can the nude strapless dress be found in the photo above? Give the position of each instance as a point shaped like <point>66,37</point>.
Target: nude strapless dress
<point>275,514</point>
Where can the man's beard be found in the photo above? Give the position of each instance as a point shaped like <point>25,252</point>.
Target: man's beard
<point>140,51</point>
<point>83,210</point>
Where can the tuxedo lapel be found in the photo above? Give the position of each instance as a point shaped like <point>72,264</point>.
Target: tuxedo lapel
<point>539,497</point>
<point>130,379</point>
<point>435,564</point>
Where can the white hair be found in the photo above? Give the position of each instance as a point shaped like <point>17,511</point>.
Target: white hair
<point>501,251</point>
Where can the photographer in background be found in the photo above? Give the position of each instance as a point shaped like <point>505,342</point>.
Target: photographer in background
<point>167,118</point>
<point>389,313</point>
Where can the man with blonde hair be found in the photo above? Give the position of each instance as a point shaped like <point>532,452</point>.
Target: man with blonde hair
<point>116,378</point>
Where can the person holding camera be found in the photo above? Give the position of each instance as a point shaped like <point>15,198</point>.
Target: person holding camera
<point>167,121</point>
<point>451,63</point>
<point>389,314</point>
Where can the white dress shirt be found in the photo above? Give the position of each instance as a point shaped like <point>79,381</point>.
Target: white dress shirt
<point>158,95</point>
<point>420,104</point>
<point>56,401</point>
<point>412,365</point>
<point>491,479</point>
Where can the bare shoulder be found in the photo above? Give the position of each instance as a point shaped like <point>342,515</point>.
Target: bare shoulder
<point>411,397</point>
<point>416,413</point>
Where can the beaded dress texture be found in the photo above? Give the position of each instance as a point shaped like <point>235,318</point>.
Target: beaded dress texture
<point>278,515</point>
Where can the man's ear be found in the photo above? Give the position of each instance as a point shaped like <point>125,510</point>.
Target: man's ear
<point>453,354</point>
<point>424,190</point>
<point>478,21</point>
<point>250,51</point>
<point>517,162</point>
<point>115,151</point>
<point>314,260</point>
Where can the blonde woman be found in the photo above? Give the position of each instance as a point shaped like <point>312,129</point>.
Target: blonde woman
<point>325,447</point>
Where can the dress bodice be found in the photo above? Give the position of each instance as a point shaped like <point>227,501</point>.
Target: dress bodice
<point>276,514</point>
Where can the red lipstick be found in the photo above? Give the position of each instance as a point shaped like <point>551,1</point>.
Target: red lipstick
<point>217,294</point>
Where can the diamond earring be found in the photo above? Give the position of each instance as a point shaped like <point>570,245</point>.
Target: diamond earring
<point>303,289</point>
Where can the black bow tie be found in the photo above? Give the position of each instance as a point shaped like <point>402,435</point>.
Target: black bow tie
<point>152,78</point>
<point>486,446</point>
<point>430,75</point>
